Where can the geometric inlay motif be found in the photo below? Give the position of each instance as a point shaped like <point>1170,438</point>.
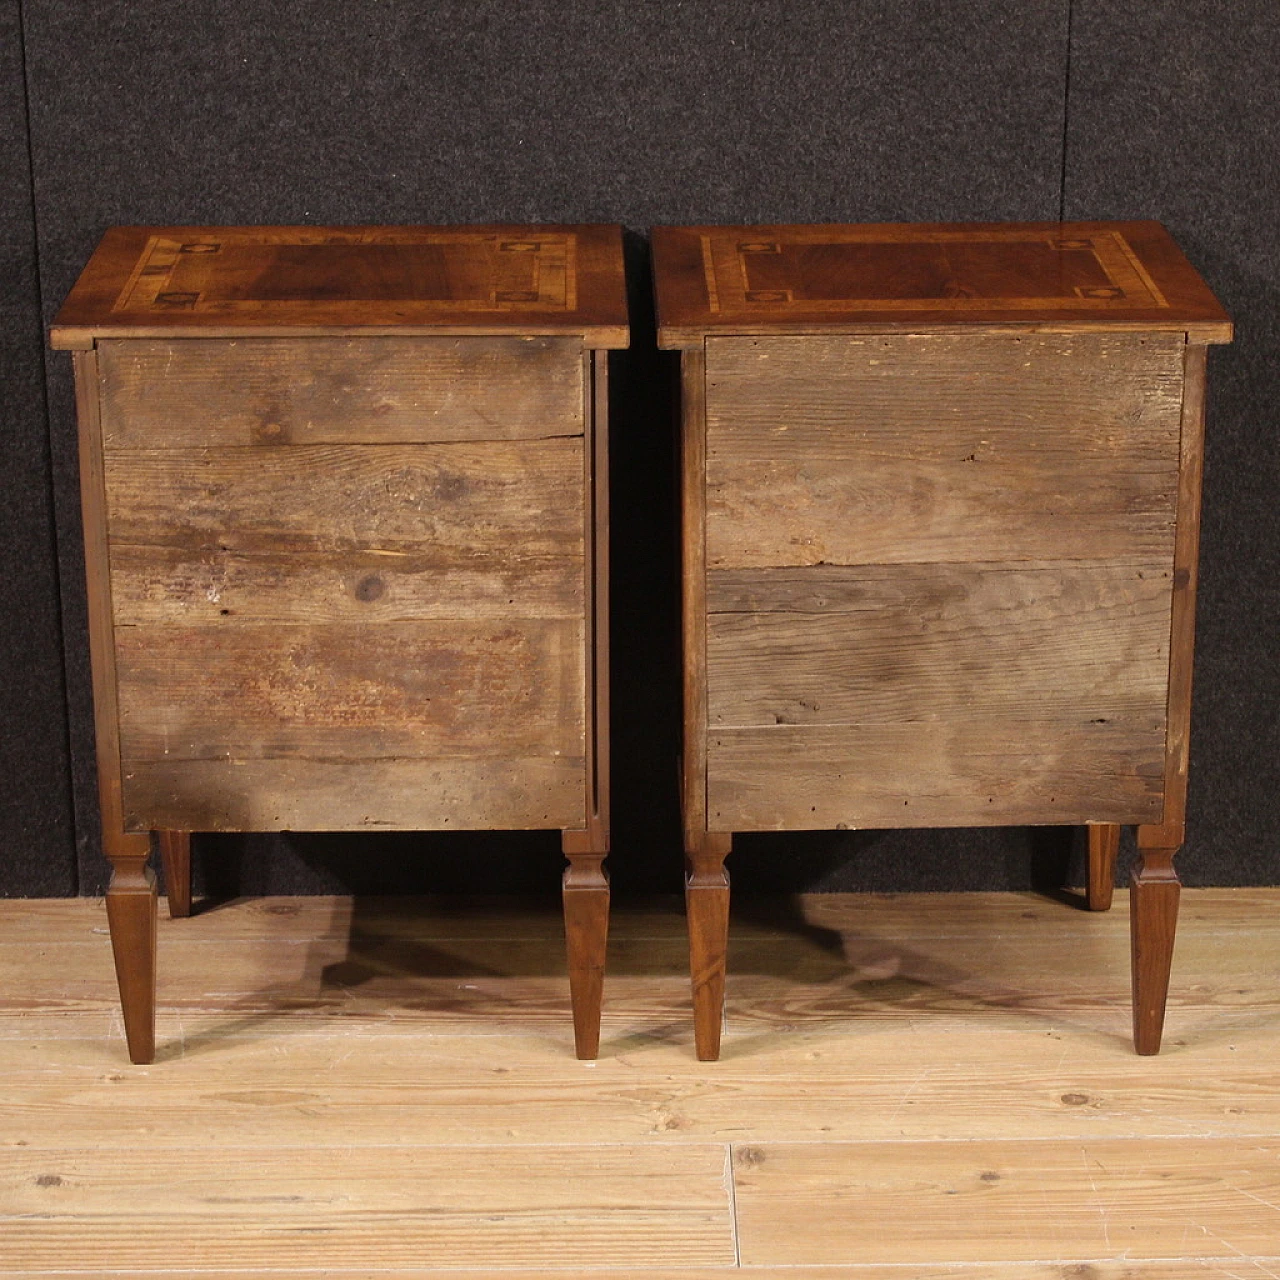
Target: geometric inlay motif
<point>287,269</point>
<point>834,270</point>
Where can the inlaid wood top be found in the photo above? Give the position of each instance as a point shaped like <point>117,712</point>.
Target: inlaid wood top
<point>236,281</point>
<point>847,279</point>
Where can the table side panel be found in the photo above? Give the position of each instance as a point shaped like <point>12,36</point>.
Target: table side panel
<point>171,393</point>
<point>940,573</point>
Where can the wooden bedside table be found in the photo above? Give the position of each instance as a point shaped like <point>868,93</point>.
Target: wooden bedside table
<point>941,511</point>
<point>345,509</point>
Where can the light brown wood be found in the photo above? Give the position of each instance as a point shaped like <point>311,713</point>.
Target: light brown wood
<point>175,856</point>
<point>330,1037</point>
<point>278,391</point>
<point>878,277</point>
<point>1003,1201</point>
<point>925,773</point>
<point>1104,846</point>
<point>609,1206</point>
<point>909,449</point>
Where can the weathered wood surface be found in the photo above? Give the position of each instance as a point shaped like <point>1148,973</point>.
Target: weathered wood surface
<point>433,687</point>
<point>924,773</point>
<point>157,585</point>
<point>460,504</point>
<point>504,789</point>
<point>945,643</point>
<point>159,393</point>
<point>693,594</point>
<point>914,448</point>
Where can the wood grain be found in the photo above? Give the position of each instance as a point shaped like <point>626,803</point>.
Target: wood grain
<point>906,449</point>
<point>878,277</point>
<point>693,592</point>
<point>458,505</point>
<point>1005,1201</point>
<point>607,1206</point>
<point>310,281</point>
<point>491,792</point>
<point>938,642</point>
<point>349,692</point>
<point>276,391</point>
<point>923,773</point>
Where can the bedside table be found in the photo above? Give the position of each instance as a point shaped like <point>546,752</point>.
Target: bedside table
<point>941,507</point>
<point>345,509</point>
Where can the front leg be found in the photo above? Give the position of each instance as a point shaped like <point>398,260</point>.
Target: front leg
<point>131,916</point>
<point>1153,920</point>
<point>706,898</point>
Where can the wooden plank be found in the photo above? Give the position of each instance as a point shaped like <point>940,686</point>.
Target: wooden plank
<point>906,449</point>
<point>241,1088</point>
<point>1005,1201</point>
<point>346,692</point>
<point>385,1207</point>
<point>157,585</point>
<point>159,393</point>
<point>942,643</point>
<point>496,791</point>
<point>1234,1268</point>
<point>996,771</point>
<point>693,587</point>
<point>466,505</point>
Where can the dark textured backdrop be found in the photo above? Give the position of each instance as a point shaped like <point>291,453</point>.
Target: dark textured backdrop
<point>609,110</point>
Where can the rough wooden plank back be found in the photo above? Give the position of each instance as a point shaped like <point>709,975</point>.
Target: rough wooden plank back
<point>947,643</point>
<point>169,393</point>
<point>997,771</point>
<point>911,448</point>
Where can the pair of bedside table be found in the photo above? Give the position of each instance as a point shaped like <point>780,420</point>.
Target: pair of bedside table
<point>346,533</point>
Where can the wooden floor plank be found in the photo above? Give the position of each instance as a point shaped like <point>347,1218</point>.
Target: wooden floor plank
<point>1232,1268</point>
<point>374,1207</point>
<point>1007,1201</point>
<point>377,1090</point>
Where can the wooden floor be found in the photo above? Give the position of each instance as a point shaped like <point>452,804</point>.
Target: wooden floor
<point>911,1086</point>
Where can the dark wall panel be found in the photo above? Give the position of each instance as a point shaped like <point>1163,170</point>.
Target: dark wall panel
<point>1175,114</point>
<point>37,855</point>
<point>606,109</point>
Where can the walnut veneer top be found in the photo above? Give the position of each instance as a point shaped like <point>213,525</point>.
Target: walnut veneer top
<point>845,279</point>
<point>261,281</point>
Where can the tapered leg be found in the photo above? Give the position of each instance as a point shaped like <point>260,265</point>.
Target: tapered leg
<point>131,915</point>
<point>706,898</point>
<point>175,857</point>
<point>1104,845</point>
<point>586,931</point>
<point>1153,920</point>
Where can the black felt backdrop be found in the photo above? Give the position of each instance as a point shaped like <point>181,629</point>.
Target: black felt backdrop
<point>639,113</point>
